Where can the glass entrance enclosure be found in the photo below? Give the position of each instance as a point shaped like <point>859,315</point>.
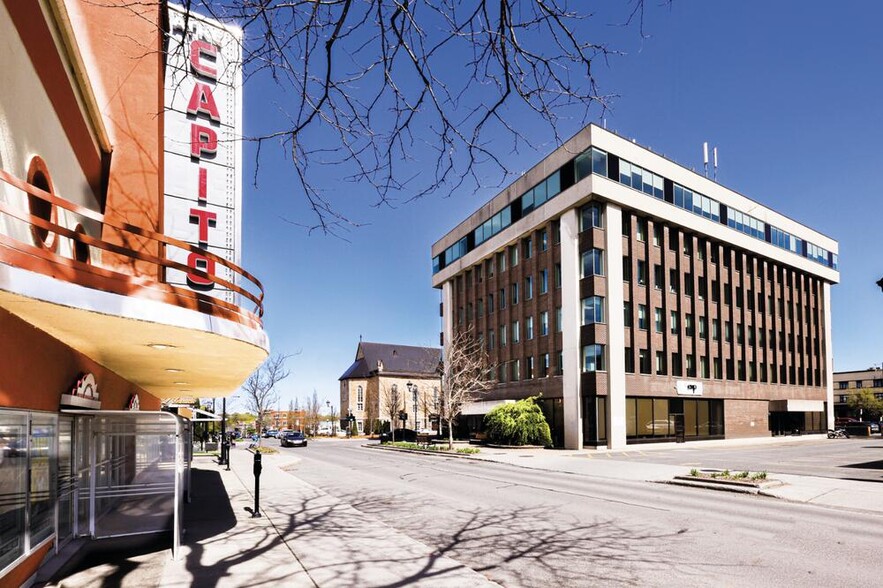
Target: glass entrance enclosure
<point>91,474</point>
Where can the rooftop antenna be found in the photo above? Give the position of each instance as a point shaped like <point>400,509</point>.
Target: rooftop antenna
<point>705,156</point>
<point>715,163</point>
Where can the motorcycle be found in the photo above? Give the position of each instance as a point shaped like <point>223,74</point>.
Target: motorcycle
<point>837,434</point>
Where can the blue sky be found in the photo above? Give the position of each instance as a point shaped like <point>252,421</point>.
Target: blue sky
<point>789,92</point>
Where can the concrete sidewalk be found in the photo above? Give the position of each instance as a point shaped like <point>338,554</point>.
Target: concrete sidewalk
<point>852,494</point>
<point>304,538</point>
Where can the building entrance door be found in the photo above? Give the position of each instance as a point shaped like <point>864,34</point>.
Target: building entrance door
<point>65,509</point>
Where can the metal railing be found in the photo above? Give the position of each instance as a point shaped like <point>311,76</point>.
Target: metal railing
<point>107,278</point>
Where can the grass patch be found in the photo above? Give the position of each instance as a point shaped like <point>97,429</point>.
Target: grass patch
<point>743,476</point>
<point>431,448</point>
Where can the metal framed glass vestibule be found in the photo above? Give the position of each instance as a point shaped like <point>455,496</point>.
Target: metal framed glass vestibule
<point>95,474</point>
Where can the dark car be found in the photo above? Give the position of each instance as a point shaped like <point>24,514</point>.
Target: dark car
<point>295,439</point>
<point>862,428</point>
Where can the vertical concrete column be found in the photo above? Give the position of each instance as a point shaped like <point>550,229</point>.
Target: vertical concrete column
<point>447,315</point>
<point>615,328</point>
<point>570,339</point>
<point>829,355</point>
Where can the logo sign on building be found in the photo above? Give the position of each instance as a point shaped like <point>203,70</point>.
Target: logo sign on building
<point>688,388</point>
<point>203,152</point>
<point>83,395</point>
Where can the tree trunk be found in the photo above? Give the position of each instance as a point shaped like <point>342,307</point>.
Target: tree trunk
<point>450,434</point>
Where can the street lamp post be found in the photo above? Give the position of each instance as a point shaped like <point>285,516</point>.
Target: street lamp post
<point>331,414</point>
<point>412,388</point>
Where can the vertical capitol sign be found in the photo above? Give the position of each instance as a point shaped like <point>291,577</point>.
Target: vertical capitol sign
<point>203,152</point>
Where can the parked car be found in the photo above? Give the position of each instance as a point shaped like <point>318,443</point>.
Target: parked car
<point>283,432</point>
<point>268,433</point>
<point>294,439</point>
<point>862,428</point>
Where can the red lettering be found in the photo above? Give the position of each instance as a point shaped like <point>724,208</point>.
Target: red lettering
<point>202,101</point>
<point>203,141</point>
<point>198,51</point>
<point>200,262</point>
<point>204,219</point>
<point>203,186</point>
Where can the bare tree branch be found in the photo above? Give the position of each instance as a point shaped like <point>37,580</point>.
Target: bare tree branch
<point>411,98</point>
<point>260,388</point>
<point>466,373</point>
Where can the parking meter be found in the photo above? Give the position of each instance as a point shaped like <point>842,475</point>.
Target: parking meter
<point>257,485</point>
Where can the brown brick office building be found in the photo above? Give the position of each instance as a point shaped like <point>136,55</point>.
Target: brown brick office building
<point>643,300</point>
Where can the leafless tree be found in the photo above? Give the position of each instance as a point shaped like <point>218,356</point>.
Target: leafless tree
<point>465,375</point>
<point>412,98</point>
<point>391,402</point>
<point>430,400</point>
<point>260,391</point>
<point>314,412</point>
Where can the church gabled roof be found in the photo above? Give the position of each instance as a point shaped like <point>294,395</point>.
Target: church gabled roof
<point>386,358</point>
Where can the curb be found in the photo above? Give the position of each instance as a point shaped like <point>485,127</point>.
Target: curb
<point>421,452</point>
<point>727,485</point>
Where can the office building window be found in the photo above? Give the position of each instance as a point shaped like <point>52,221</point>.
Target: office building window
<point>559,320</point>
<point>543,240</point>
<point>544,323</point>
<point>644,361</point>
<point>544,281</point>
<point>360,399</point>
<point>590,216</point>
<point>528,287</point>
<point>675,329</point>
<point>642,316</point>
<point>593,310</point>
<point>658,277</point>
<point>660,363</point>
<point>629,360</point>
<point>528,328</point>
<point>658,321</point>
<point>516,332</point>
<point>642,272</point>
<point>592,263</point>
<point>593,358</point>
<point>514,291</point>
<point>627,313</point>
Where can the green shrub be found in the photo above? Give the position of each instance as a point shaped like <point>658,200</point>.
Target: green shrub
<point>469,450</point>
<point>694,472</point>
<point>519,423</point>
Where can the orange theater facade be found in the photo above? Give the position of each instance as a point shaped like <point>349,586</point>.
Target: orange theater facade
<point>120,284</point>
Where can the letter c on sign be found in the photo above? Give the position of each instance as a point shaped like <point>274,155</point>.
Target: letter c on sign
<point>198,50</point>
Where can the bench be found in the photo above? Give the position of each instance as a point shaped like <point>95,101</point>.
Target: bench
<point>424,439</point>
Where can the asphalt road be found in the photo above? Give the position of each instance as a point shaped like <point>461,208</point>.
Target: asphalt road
<point>857,458</point>
<point>522,527</point>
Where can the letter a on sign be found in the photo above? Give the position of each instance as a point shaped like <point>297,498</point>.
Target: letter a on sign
<point>202,101</point>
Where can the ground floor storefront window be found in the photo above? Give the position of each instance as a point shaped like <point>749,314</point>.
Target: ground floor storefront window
<point>657,419</point>
<point>594,421</point>
<point>797,423</point>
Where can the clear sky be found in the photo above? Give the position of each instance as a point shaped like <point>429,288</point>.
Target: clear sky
<point>789,92</point>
